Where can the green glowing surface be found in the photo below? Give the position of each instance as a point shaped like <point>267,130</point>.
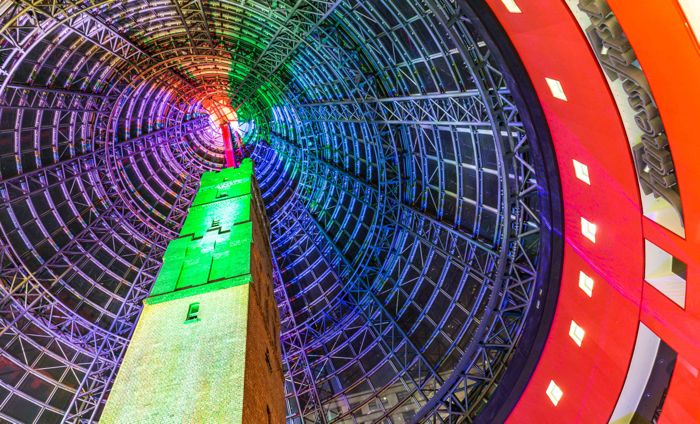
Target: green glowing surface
<point>219,215</point>
<point>214,242</point>
<point>225,189</point>
<point>228,183</point>
<point>213,257</point>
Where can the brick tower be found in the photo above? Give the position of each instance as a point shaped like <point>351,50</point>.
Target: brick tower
<point>206,347</point>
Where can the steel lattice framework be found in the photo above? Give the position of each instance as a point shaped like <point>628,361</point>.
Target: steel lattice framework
<point>405,179</point>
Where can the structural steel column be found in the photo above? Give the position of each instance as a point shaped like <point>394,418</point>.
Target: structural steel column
<point>228,146</point>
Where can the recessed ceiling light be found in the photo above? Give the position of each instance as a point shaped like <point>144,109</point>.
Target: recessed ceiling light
<point>588,229</point>
<point>556,89</point>
<point>511,6</point>
<point>554,392</point>
<point>576,333</point>
<point>585,283</point>
<point>582,172</point>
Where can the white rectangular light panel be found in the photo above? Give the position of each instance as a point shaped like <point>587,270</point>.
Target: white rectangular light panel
<point>665,273</point>
<point>511,6</point>
<point>588,229</point>
<point>585,283</point>
<point>554,392</point>
<point>576,333</point>
<point>582,172</point>
<point>556,89</point>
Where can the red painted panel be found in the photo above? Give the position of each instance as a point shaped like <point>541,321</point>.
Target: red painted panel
<point>668,53</point>
<point>587,128</point>
<point>681,405</point>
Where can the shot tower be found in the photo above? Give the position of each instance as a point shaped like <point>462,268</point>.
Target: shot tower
<point>206,347</point>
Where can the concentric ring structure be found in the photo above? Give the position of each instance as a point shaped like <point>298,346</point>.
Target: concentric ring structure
<point>401,154</point>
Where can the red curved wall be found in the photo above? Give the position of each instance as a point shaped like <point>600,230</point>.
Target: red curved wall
<point>587,127</point>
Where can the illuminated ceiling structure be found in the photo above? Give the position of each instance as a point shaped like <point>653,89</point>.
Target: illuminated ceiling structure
<point>440,177</point>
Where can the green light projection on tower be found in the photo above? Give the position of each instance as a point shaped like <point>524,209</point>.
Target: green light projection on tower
<point>215,239</point>
<point>196,349</point>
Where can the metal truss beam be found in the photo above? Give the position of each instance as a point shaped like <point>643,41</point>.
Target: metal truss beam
<point>295,358</point>
<point>464,391</point>
<point>100,374</point>
<point>58,91</point>
<point>48,99</point>
<point>22,299</point>
<point>363,195</point>
<point>25,294</point>
<point>27,350</point>
<point>500,335</point>
<point>195,22</point>
<point>29,22</point>
<point>463,109</point>
<point>114,171</point>
<point>361,291</point>
<point>442,241</point>
<point>304,17</point>
<point>20,187</point>
<point>425,228</point>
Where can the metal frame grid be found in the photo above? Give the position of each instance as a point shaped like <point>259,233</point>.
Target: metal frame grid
<point>401,182</point>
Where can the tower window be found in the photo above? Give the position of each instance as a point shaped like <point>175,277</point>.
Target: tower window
<point>267,360</point>
<point>192,313</point>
